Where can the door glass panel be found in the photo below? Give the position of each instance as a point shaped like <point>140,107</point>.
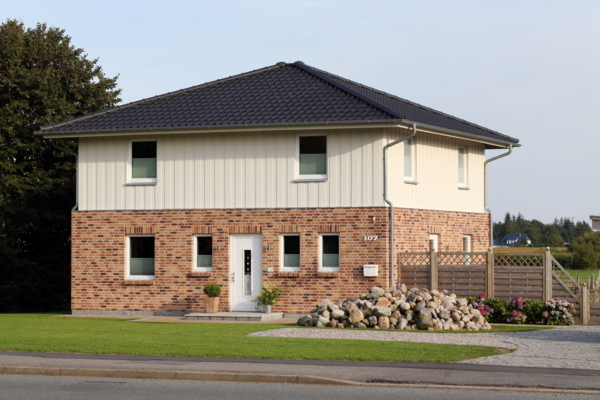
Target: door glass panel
<point>247,272</point>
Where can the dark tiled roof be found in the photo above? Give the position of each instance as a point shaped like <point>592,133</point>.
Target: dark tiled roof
<point>281,94</point>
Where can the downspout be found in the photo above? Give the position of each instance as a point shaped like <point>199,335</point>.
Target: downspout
<point>385,198</point>
<point>485,191</point>
<point>76,168</point>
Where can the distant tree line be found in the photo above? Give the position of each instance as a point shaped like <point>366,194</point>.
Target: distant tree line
<point>554,234</point>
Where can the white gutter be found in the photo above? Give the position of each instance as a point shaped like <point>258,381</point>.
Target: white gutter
<point>385,198</point>
<point>485,191</point>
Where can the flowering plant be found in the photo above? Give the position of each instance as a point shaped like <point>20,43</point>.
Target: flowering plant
<point>558,312</point>
<point>267,297</point>
<point>518,302</point>
<point>517,317</point>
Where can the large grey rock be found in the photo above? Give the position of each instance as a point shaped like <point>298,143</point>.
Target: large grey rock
<point>393,307</point>
<point>337,314</point>
<point>410,315</point>
<point>431,304</point>
<point>377,290</point>
<point>360,325</point>
<point>424,322</point>
<point>325,314</point>
<point>448,305</point>
<point>395,314</point>
<point>350,306</point>
<point>383,322</point>
<point>411,297</point>
<point>444,314</point>
<point>393,321</point>
<point>461,302</point>
<point>372,320</point>
<point>402,324</point>
<point>356,316</point>
<point>455,316</point>
<point>304,320</point>
<point>402,287</point>
<point>322,322</point>
<point>405,306</point>
<point>332,323</point>
<point>366,322</point>
<point>419,307</point>
<point>383,311</point>
<point>426,296</point>
<point>435,293</point>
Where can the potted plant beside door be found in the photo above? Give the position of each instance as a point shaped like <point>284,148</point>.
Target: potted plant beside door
<point>266,299</point>
<point>213,291</point>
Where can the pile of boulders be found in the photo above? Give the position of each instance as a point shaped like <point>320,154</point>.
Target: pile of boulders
<point>398,308</point>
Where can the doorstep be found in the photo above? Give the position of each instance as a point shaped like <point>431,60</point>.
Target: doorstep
<point>234,316</point>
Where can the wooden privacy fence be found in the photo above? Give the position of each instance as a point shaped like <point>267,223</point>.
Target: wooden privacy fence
<point>535,276</point>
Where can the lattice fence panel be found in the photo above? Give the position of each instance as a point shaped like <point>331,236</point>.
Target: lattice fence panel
<point>518,260</point>
<point>414,259</point>
<point>461,259</point>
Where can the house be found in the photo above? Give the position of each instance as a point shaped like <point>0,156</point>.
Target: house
<point>287,176</point>
<point>514,239</point>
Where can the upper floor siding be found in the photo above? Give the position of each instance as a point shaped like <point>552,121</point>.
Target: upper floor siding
<point>258,170</point>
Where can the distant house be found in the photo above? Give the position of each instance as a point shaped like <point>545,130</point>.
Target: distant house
<point>514,239</point>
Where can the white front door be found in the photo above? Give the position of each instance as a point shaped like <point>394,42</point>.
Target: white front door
<point>246,269</point>
<point>433,242</point>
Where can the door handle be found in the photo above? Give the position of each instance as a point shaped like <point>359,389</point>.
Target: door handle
<point>233,277</point>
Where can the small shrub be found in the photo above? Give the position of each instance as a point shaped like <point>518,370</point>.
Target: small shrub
<point>534,310</point>
<point>565,259</point>
<point>500,310</point>
<point>212,290</point>
<point>558,312</point>
<point>267,297</point>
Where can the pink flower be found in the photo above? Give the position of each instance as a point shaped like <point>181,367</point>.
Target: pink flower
<point>545,314</point>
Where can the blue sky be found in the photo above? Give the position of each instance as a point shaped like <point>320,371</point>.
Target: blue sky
<point>526,69</point>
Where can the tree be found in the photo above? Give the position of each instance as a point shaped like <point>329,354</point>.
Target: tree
<point>43,80</point>
<point>586,250</point>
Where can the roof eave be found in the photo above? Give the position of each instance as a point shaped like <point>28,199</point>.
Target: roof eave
<point>218,128</point>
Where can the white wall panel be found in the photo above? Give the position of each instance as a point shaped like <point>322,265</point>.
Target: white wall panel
<point>257,170</point>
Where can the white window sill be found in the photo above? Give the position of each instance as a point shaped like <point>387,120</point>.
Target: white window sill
<point>464,188</point>
<point>140,278</point>
<point>289,269</point>
<point>202,270</point>
<point>411,182</point>
<point>310,178</point>
<point>141,183</point>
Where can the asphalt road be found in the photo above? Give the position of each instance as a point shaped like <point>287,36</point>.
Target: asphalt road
<point>17,387</point>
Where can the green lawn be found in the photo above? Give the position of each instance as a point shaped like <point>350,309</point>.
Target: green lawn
<point>45,333</point>
<point>583,274</point>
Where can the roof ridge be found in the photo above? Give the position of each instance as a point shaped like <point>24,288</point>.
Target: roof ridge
<point>319,74</point>
<point>413,103</point>
<point>154,98</point>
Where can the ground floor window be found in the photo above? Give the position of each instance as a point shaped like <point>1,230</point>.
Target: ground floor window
<point>140,257</point>
<point>203,247</point>
<point>330,252</point>
<point>290,257</point>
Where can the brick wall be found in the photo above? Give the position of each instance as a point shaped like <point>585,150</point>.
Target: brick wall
<point>99,253</point>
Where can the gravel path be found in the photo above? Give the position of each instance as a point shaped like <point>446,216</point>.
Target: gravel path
<point>563,347</point>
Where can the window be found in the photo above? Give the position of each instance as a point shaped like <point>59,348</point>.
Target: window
<point>409,160</point>
<point>203,253</point>
<point>290,252</point>
<point>312,157</point>
<point>140,258</point>
<point>143,162</point>
<point>462,166</point>
<point>330,252</point>
<point>433,242</point>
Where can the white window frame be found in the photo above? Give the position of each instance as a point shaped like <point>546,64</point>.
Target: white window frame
<point>315,177</point>
<point>436,240</point>
<point>195,267</point>
<point>329,269</point>
<point>128,260</point>
<point>410,143</point>
<point>282,266</point>
<point>463,185</point>
<point>140,181</point>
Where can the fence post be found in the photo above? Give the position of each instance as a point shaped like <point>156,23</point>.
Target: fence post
<point>585,304</point>
<point>489,290</point>
<point>434,270</point>
<point>547,277</point>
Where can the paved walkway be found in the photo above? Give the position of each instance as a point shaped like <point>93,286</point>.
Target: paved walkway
<point>564,347</point>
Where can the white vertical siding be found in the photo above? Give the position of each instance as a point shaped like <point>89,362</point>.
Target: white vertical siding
<point>437,174</point>
<point>257,170</point>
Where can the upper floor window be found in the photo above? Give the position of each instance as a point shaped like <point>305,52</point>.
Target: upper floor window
<point>312,157</point>
<point>462,166</point>
<point>291,252</point>
<point>203,259</point>
<point>143,162</point>
<point>409,160</point>
<point>140,257</point>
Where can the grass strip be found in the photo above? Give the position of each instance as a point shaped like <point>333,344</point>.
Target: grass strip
<point>43,333</point>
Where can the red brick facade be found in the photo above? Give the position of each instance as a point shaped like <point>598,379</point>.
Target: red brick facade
<point>99,239</point>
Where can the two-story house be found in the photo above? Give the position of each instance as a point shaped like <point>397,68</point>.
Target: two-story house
<point>287,176</point>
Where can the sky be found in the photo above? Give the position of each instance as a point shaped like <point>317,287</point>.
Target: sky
<point>530,70</point>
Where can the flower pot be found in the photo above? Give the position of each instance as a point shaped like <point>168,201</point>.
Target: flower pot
<point>212,305</point>
<point>267,309</point>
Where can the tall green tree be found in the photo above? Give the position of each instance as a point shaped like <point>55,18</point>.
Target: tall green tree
<point>43,79</point>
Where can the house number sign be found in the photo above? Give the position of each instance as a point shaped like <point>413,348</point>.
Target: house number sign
<point>370,238</point>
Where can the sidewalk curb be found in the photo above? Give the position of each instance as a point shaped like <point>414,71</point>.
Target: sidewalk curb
<point>257,378</point>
